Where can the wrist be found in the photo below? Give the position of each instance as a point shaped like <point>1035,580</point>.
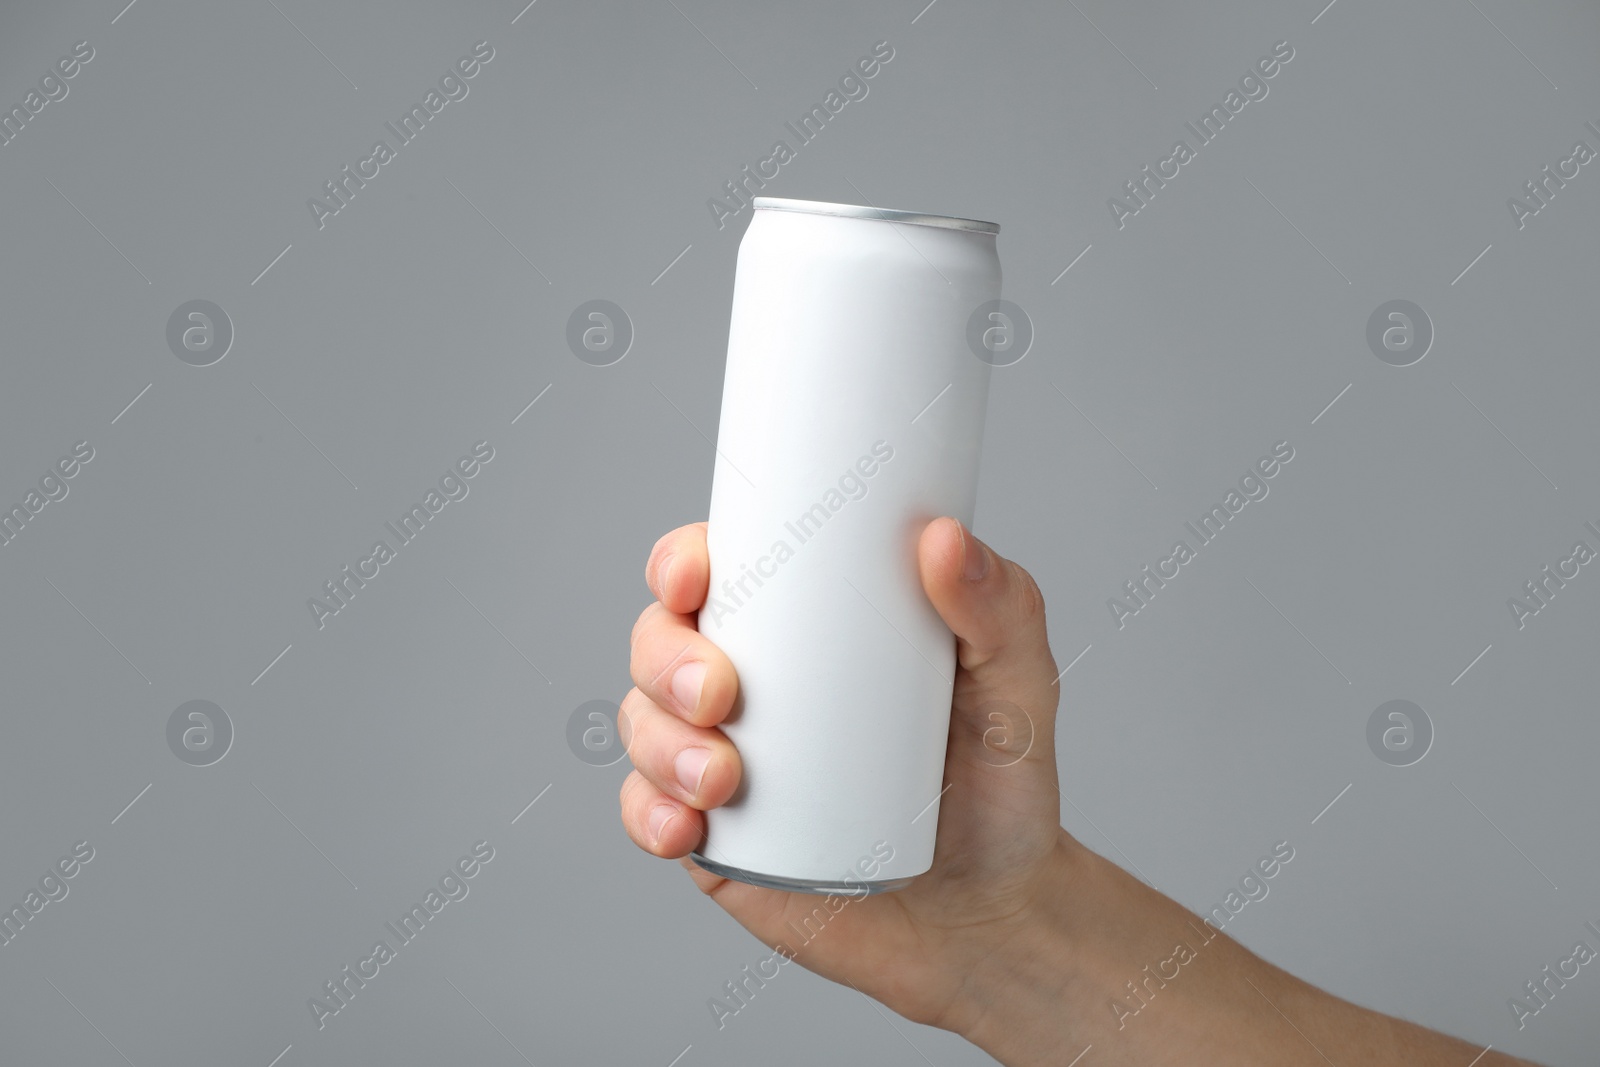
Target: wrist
<point>1100,958</point>
<point>1020,995</point>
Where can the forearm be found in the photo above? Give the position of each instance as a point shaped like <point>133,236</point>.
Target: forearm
<point>1112,963</point>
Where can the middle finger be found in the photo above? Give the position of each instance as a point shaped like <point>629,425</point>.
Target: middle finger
<point>696,764</point>
<point>678,668</point>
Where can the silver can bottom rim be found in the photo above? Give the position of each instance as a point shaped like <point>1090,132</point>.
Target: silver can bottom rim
<point>802,885</point>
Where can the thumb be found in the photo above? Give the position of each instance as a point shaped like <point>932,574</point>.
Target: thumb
<point>996,611</point>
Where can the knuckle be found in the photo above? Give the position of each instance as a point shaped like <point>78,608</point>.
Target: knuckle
<point>643,621</point>
<point>630,786</point>
<point>640,731</point>
<point>635,806</point>
<point>1029,597</point>
<point>635,662</point>
<point>625,720</point>
<point>657,549</point>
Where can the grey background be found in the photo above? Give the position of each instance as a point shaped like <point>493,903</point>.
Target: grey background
<point>422,318</point>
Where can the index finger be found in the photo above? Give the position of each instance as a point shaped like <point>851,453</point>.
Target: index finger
<point>678,571</point>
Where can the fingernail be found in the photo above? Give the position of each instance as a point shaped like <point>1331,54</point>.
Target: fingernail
<point>664,574</point>
<point>976,557</point>
<point>624,727</point>
<point>660,815</point>
<point>687,683</point>
<point>690,767</point>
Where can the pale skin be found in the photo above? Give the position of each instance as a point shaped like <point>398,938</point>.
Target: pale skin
<point>1018,938</point>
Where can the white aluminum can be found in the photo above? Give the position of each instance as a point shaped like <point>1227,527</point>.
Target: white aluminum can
<point>852,416</point>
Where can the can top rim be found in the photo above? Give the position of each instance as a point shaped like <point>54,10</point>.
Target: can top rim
<point>879,214</point>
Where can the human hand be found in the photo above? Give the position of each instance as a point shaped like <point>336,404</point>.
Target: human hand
<point>1000,848</point>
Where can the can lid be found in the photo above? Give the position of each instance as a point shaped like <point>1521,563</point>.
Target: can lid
<point>881,214</point>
